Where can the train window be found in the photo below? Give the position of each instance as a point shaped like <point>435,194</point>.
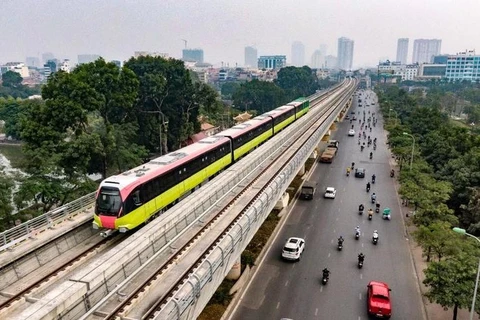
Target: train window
<point>136,197</point>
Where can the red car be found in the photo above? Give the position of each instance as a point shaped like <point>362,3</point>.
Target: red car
<point>379,303</point>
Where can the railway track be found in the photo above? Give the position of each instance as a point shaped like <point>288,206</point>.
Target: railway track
<point>157,274</point>
<point>23,292</point>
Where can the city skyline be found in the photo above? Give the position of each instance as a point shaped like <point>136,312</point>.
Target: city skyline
<point>222,30</point>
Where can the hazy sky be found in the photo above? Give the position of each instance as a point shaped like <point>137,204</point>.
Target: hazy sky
<point>222,28</point>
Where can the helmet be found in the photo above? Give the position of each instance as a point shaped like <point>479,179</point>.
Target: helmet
<point>375,231</point>
<point>358,227</point>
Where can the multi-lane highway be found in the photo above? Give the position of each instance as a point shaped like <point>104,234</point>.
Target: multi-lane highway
<point>293,290</point>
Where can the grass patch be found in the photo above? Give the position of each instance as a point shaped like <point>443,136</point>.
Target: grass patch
<point>13,152</point>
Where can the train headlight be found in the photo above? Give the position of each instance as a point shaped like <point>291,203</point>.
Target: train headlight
<point>95,226</point>
<point>123,230</point>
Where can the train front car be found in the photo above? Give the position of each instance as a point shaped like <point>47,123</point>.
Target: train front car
<point>109,205</point>
<point>128,200</point>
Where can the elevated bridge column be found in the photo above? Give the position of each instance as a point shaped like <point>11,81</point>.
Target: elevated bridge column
<point>236,270</point>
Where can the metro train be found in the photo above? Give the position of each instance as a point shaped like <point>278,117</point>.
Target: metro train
<point>125,201</point>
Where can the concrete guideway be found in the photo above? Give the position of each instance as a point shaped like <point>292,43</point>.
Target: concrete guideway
<point>118,263</point>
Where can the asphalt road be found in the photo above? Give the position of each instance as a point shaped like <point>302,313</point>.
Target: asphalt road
<point>283,289</point>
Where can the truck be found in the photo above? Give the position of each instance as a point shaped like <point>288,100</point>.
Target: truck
<point>329,153</point>
<point>308,190</point>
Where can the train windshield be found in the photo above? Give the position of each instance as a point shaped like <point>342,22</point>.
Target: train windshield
<point>108,202</point>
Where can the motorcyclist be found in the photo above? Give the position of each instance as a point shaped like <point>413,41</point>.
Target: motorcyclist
<point>357,230</point>
<point>326,273</point>
<point>361,257</point>
<point>375,234</point>
<point>368,186</point>
<point>374,196</point>
<point>371,155</point>
<point>392,173</point>
<point>348,171</point>
<point>353,165</point>
<point>362,147</point>
<point>340,240</point>
<point>361,207</point>
<point>373,178</point>
<point>370,212</point>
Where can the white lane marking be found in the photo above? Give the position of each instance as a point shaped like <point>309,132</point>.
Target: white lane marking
<point>316,312</point>
<point>334,230</point>
<point>293,266</point>
<point>286,283</point>
<point>361,275</point>
<point>278,304</point>
<point>362,244</point>
<point>359,318</point>
<point>329,254</point>
<point>359,296</point>
<point>321,288</point>
<point>332,240</point>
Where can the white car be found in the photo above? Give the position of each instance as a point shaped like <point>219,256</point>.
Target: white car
<point>351,133</point>
<point>330,192</point>
<point>293,249</point>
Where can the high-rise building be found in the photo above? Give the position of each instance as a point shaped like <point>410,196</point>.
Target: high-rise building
<point>402,50</point>
<point>330,62</point>
<point>47,56</point>
<point>345,53</point>
<point>251,57</point>
<point>87,58</point>
<point>323,49</point>
<point>194,55</point>
<point>32,62</point>
<point>272,62</point>
<point>425,49</point>
<point>118,63</point>
<point>298,54</point>
<point>318,59</point>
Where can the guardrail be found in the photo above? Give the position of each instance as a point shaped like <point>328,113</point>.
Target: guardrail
<point>13,236</point>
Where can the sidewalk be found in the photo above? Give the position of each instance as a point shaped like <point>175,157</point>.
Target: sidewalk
<point>434,311</point>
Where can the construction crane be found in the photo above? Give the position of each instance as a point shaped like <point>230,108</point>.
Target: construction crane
<point>185,41</point>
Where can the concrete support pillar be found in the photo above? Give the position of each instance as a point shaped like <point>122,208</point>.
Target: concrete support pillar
<point>282,202</point>
<point>313,155</point>
<point>301,171</point>
<point>333,126</point>
<point>236,270</point>
<point>326,137</point>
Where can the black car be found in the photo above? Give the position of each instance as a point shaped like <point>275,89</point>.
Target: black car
<point>360,173</point>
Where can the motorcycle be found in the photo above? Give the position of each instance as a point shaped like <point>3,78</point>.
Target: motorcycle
<point>373,200</point>
<point>370,215</point>
<point>357,235</point>
<point>371,156</point>
<point>324,279</point>
<point>375,240</point>
<point>374,147</point>
<point>340,246</point>
<point>361,147</point>
<point>377,208</point>
<point>392,173</point>
<point>360,264</point>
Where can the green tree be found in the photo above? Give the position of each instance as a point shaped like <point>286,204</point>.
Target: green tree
<point>437,238</point>
<point>451,282</point>
<point>168,102</point>
<point>297,82</point>
<point>258,95</point>
<point>228,89</point>
<point>11,79</point>
<point>6,185</point>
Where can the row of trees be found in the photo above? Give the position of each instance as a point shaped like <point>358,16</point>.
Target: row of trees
<point>12,86</point>
<point>442,185</point>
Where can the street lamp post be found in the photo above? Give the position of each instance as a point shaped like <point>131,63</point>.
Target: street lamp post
<point>413,147</point>
<point>464,232</point>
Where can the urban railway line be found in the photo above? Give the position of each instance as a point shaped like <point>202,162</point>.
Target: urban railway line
<point>124,309</point>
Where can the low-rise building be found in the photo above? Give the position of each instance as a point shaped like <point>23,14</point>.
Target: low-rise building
<point>272,62</point>
<point>431,71</point>
<point>463,66</point>
<point>18,67</point>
